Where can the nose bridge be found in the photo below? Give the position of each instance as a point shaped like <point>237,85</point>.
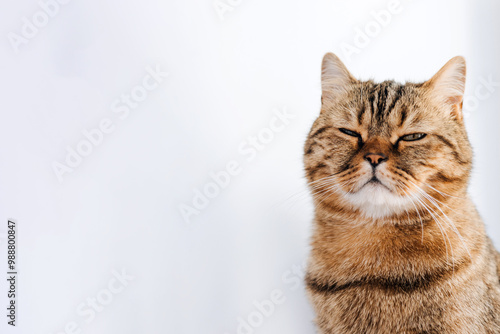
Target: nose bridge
<point>376,146</point>
<point>376,151</point>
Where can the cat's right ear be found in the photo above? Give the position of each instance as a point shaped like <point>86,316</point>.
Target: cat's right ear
<point>448,86</point>
<point>334,77</point>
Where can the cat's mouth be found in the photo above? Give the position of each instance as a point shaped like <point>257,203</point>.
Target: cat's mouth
<point>375,182</point>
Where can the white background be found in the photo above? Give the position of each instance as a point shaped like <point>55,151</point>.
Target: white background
<point>119,209</point>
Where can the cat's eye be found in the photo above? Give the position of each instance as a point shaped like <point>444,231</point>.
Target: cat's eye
<point>350,133</point>
<point>413,136</point>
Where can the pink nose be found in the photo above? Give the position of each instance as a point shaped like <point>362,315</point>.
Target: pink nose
<point>375,158</point>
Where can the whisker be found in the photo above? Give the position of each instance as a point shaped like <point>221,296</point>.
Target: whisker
<point>443,232</point>
<point>440,192</point>
<point>432,200</point>
<point>438,221</point>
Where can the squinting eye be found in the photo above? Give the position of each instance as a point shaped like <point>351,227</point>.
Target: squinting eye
<point>413,136</point>
<point>350,133</point>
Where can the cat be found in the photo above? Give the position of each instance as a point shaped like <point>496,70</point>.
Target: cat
<point>397,246</point>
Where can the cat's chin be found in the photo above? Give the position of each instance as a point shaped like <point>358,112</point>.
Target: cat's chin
<point>375,200</point>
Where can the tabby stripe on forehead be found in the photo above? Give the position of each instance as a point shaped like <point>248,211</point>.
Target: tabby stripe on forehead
<point>361,112</point>
<point>382,100</point>
<point>371,102</point>
<point>404,114</point>
<point>397,96</point>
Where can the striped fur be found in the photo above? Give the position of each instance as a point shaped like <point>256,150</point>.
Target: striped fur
<point>397,247</point>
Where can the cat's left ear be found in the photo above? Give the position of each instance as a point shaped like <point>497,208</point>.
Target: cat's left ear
<point>335,78</point>
<point>448,85</point>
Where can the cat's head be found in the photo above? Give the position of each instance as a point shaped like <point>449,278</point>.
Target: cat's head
<point>379,148</point>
